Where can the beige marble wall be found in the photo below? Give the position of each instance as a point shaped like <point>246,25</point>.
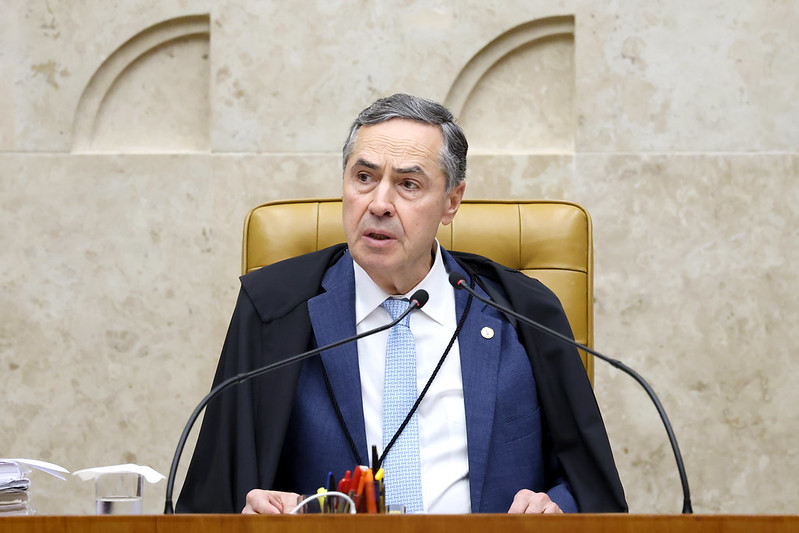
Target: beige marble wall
<point>134,136</point>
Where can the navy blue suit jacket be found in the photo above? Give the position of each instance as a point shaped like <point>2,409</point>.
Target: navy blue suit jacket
<point>507,447</point>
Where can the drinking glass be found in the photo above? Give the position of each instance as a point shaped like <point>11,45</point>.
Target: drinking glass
<point>119,493</point>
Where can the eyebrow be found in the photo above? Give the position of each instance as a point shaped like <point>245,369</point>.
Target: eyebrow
<point>415,169</point>
<point>368,164</point>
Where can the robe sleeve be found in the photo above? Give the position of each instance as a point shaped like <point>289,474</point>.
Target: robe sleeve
<point>570,409</point>
<point>242,434</point>
<point>224,458</point>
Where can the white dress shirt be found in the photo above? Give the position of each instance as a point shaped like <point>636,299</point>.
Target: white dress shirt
<point>441,414</point>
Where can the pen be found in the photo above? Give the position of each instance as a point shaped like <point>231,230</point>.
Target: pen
<point>331,487</point>
<point>354,483</point>
<point>322,500</point>
<point>375,459</point>
<point>344,488</point>
<point>369,492</point>
<point>361,486</point>
<point>344,484</point>
<point>356,478</point>
<point>381,491</point>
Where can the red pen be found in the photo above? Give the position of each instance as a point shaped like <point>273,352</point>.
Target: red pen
<point>354,482</point>
<point>344,484</point>
<point>356,479</point>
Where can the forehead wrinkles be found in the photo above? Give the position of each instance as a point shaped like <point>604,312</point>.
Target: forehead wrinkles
<point>381,147</point>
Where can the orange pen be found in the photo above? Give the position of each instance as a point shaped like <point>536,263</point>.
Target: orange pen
<point>361,483</point>
<point>369,492</point>
<point>354,482</point>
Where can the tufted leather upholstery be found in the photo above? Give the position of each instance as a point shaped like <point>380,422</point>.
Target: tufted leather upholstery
<point>547,240</point>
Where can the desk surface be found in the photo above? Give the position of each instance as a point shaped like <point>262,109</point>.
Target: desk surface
<point>400,524</point>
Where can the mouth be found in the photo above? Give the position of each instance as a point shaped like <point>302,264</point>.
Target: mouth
<point>378,236</point>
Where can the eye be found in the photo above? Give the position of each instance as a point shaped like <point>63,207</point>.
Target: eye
<point>363,177</point>
<point>410,185</point>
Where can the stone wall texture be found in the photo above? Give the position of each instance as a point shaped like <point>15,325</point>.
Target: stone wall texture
<point>134,137</point>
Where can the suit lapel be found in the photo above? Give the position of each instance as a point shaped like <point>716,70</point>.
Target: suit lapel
<point>333,318</point>
<point>479,369</point>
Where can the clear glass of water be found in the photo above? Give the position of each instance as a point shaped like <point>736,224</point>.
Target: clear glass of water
<point>119,493</point>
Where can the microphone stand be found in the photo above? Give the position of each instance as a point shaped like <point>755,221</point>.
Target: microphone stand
<point>418,299</point>
<point>457,281</point>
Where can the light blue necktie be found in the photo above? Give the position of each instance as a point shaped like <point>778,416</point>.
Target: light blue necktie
<point>403,474</point>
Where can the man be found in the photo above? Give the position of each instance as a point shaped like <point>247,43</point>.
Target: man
<point>508,423</point>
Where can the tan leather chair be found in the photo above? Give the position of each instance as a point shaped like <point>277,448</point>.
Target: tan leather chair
<point>547,240</point>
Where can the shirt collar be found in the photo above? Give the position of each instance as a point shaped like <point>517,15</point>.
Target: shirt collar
<point>369,296</point>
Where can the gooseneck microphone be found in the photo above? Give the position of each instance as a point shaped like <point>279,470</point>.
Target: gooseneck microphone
<point>459,282</point>
<point>418,300</point>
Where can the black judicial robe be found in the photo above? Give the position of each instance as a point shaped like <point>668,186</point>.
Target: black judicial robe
<point>240,442</point>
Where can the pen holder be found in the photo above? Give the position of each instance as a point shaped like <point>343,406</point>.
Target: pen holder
<point>325,502</point>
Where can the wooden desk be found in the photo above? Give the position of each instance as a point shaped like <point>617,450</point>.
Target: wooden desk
<point>400,524</point>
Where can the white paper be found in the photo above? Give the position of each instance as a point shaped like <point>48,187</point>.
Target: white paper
<point>49,468</point>
<point>10,471</point>
<point>145,471</point>
<point>15,485</point>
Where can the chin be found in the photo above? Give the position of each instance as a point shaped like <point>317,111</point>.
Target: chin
<point>371,261</point>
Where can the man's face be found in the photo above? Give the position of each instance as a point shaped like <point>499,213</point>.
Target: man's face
<point>394,198</point>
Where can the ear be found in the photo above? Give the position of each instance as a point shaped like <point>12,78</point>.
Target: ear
<point>454,198</point>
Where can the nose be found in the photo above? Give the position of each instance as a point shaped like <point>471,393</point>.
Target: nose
<point>382,204</point>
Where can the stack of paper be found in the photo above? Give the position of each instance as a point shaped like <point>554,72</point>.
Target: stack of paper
<point>14,484</point>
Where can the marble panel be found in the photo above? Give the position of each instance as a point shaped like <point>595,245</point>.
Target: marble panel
<point>525,101</point>
<point>51,50</point>
<point>695,285</point>
<point>110,264</point>
<point>275,74</point>
<point>249,180</point>
<point>292,80</point>
<point>151,95</point>
<point>504,176</point>
<point>687,76</point>
<point>105,279</point>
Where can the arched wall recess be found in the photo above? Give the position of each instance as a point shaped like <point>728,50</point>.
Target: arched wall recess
<point>173,35</point>
<point>517,93</point>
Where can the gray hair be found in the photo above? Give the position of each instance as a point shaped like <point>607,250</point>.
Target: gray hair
<point>453,152</point>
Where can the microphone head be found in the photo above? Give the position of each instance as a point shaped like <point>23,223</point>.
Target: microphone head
<point>455,279</point>
<point>420,297</point>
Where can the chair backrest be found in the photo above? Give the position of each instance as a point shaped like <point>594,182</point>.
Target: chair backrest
<point>547,240</point>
